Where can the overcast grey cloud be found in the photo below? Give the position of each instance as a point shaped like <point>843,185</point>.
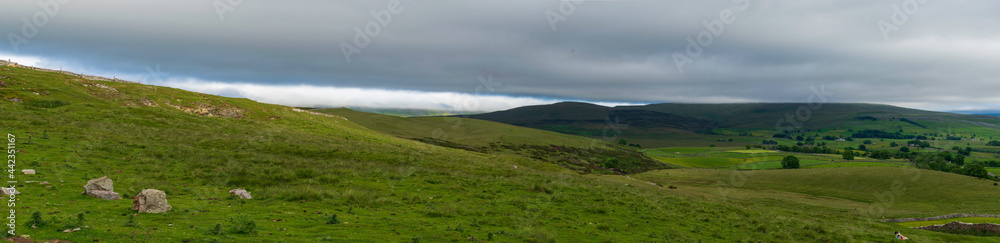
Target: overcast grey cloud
<point>939,55</point>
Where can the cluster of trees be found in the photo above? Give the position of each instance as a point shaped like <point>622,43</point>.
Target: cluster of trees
<point>988,163</point>
<point>963,151</point>
<point>862,118</point>
<point>993,143</point>
<point>801,149</point>
<point>921,144</point>
<point>623,142</point>
<point>881,134</point>
<point>884,154</point>
<point>940,162</point>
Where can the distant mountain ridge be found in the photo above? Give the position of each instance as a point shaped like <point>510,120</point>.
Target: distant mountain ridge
<point>677,119</point>
<point>979,112</point>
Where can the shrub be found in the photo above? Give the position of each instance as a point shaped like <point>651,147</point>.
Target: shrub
<point>217,230</point>
<point>333,220</point>
<point>36,219</point>
<point>131,221</point>
<point>243,225</point>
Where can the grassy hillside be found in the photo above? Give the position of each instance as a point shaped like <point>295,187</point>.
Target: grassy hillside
<point>465,131</point>
<point>305,168</point>
<point>577,153</point>
<point>410,112</point>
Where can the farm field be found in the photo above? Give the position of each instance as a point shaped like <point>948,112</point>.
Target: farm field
<point>735,158</point>
<point>994,170</point>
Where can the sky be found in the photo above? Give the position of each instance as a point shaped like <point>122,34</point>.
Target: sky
<point>492,55</point>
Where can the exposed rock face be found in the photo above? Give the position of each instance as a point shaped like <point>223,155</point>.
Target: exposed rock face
<point>151,201</point>
<point>101,188</point>
<point>956,215</point>
<point>208,110</point>
<point>241,193</point>
<point>148,102</point>
<point>959,226</point>
<point>8,191</point>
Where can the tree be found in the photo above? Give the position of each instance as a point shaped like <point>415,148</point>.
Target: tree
<point>893,144</point>
<point>848,155</point>
<point>959,160</point>
<point>993,143</point>
<point>790,162</point>
<point>904,149</point>
<point>977,170</point>
<point>862,147</point>
<point>748,147</point>
<point>621,141</point>
<point>867,142</point>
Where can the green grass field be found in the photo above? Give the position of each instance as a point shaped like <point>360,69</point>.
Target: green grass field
<point>304,168</point>
<point>889,192</point>
<point>776,164</point>
<point>855,164</point>
<point>994,170</point>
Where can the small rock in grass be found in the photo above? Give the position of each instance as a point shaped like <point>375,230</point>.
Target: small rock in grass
<point>9,191</point>
<point>241,193</point>
<point>102,188</point>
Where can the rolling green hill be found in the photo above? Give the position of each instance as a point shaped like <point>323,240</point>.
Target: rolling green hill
<point>573,152</point>
<point>322,177</point>
<point>465,131</point>
<point>671,124</point>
